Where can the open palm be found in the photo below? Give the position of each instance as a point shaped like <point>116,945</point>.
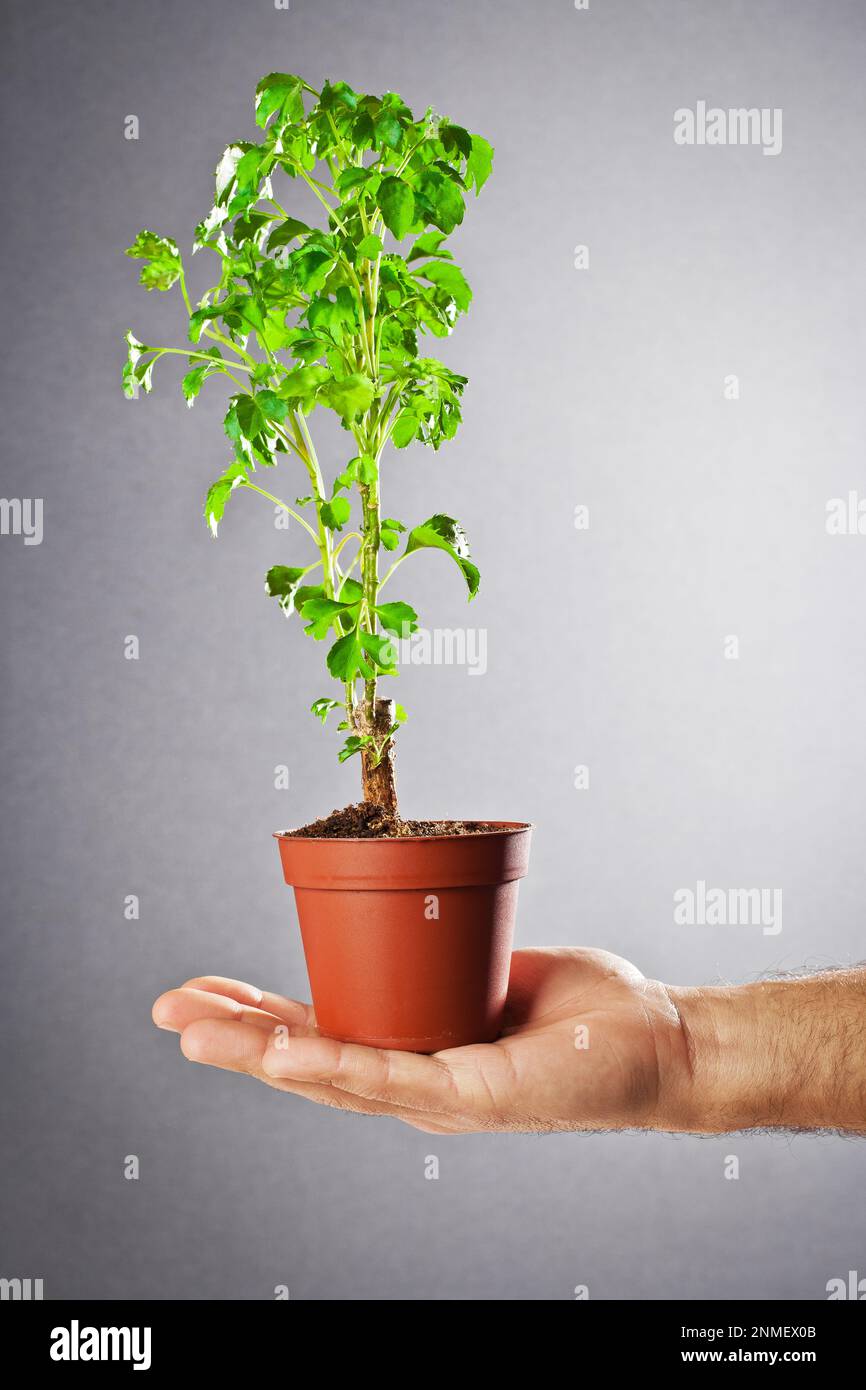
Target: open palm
<point>588,1043</point>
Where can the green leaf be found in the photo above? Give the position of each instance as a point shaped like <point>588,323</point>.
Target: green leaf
<point>136,371</point>
<point>247,309</point>
<point>322,708</point>
<point>361,653</point>
<point>349,397</point>
<point>346,659</point>
<point>397,203</point>
<point>226,170</point>
<point>430,401</point>
<point>430,244</point>
<point>312,263</point>
<point>195,379</point>
<point>304,383</point>
<point>450,278</point>
<point>198,319</point>
<point>357,177</point>
<point>388,131</point>
<point>240,313</point>
<point>130,383</point>
<point>245,418</point>
<point>363,134</point>
<point>220,492</point>
<point>480,163</point>
<point>355,743</point>
<point>454,137</point>
<point>390,539</point>
<point>442,200</point>
<point>205,230</point>
<point>251,169</point>
<point>335,513</point>
<point>262,373</point>
<point>348,476</point>
<point>444,533</point>
<point>281,93</point>
<point>333,317</point>
<point>336,94</point>
<point>351,592</point>
<point>320,614</point>
<point>399,618</point>
<point>369,247</point>
<point>272,406</point>
<point>380,650</point>
<point>253,227</point>
<point>323,613</point>
<point>405,429</point>
<point>305,592</point>
<point>162,257</point>
<point>358,470</point>
<point>285,232</point>
<point>283,582</point>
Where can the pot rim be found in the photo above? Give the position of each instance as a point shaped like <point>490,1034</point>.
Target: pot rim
<point>504,827</point>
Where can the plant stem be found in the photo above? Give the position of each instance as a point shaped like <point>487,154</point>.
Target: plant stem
<point>366,335</point>
<point>214,333</point>
<point>278,503</point>
<point>312,184</point>
<point>183,290</point>
<point>353,535</point>
<point>389,572</point>
<point>219,363</point>
<point>227,342</point>
<point>315,472</point>
<point>292,443</point>
<point>370,577</point>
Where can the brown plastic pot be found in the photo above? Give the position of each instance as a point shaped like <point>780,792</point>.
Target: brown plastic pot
<point>408,941</point>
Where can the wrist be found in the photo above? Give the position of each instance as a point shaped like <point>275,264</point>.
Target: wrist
<point>724,1081</point>
<point>776,1054</point>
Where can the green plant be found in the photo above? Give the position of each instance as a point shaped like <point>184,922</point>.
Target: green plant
<point>301,318</point>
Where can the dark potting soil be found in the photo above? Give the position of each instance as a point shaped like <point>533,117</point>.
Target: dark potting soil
<point>366,821</point>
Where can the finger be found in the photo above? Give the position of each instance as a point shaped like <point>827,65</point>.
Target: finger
<point>407,1079</point>
<point>225,1043</point>
<point>240,1047</point>
<point>251,994</point>
<point>427,1126</point>
<point>222,984</point>
<point>176,1009</point>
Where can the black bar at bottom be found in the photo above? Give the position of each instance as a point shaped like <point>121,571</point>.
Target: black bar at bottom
<point>66,1338</point>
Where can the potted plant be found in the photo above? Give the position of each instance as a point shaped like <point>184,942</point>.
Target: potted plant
<point>406,925</point>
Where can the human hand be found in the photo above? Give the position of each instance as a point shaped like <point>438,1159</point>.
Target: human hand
<point>588,1043</point>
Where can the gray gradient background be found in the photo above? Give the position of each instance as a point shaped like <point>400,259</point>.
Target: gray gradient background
<point>707,518</point>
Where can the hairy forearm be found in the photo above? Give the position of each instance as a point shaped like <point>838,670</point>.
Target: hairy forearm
<point>780,1054</point>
